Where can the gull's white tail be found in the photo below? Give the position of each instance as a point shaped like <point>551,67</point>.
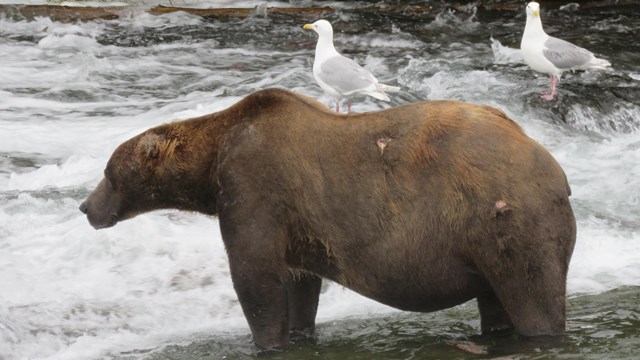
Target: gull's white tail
<point>386,88</point>
<point>380,91</point>
<point>597,63</point>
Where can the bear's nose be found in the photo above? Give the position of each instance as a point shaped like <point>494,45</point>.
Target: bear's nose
<point>83,208</point>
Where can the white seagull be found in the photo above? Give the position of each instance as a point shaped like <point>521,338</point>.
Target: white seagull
<point>553,56</point>
<point>340,76</point>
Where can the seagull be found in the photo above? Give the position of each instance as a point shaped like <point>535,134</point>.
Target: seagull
<point>340,76</point>
<point>553,56</point>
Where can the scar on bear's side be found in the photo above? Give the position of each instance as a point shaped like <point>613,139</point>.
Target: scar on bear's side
<point>382,143</point>
<point>502,208</point>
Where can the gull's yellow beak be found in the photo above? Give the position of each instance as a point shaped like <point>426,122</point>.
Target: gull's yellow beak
<point>308,27</point>
<point>535,13</point>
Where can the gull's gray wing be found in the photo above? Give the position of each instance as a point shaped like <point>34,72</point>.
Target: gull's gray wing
<point>565,55</point>
<point>345,75</point>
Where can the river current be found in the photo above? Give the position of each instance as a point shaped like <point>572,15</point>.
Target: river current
<point>158,286</point>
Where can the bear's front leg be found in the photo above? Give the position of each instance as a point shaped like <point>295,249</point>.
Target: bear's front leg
<point>263,297</point>
<point>303,294</point>
<point>256,247</point>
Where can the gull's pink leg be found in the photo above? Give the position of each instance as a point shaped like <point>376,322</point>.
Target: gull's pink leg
<point>337,105</point>
<point>552,91</point>
<point>349,105</point>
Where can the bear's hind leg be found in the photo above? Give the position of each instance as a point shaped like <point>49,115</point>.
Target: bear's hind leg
<point>533,296</point>
<point>493,317</point>
<point>529,263</point>
<point>303,294</point>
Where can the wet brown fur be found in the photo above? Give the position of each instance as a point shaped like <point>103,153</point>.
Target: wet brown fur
<point>421,207</point>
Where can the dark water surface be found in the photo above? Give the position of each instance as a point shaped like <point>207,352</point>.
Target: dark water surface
<point>604,326</point>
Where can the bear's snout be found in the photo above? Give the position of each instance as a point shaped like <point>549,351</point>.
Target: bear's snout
<point>98,219</point>
<point>102,207</point>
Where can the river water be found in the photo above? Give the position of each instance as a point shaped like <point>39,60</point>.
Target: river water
<point>158,286</point>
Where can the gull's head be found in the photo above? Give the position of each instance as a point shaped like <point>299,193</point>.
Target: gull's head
<point>322,27</point>
<point>533,9</point>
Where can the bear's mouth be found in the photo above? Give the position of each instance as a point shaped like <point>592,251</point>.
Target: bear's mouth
<point>113,219</point>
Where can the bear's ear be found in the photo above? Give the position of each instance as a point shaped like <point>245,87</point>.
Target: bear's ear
<point>149,145</point>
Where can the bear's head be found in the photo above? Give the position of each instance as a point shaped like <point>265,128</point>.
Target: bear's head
<point>158,169</point>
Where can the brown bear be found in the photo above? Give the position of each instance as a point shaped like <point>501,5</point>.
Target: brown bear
<point>421,207</point>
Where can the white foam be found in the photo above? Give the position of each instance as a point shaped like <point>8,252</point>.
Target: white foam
<point>505,55</point>
<point>604,257</point>
<point>111,287</point>
<point>76,171</point>
<point>476,85</point>
<point>396,40</point>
